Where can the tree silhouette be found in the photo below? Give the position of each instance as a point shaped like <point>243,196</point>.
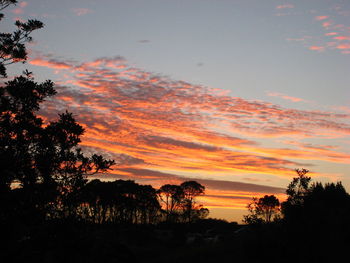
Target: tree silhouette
<point>171,196</point>
<point>44,159</point>
<point>262,210</point>
<point>179,202</point>
<point>299,187</point>
<point>296,191</point>
<point>191,190</point>
<point>119,201</point>
<point>314,202</point>
<point>318,216</point>
<point>12,45</point>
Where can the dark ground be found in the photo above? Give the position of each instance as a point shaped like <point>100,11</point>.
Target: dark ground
<point>202,242</point>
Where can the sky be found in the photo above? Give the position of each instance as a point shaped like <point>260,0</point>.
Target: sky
<point>235,94</point>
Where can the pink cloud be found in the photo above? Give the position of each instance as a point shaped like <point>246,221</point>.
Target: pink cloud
<point>283,96</point>
<point>284,6</point>
<point>23,4</point>
<point>50,63</point>
<point>319,18</point>
<point>338,31</point>
<point>331,44</point>
<point>317,48</point>
<point>326,24</point>
<point>341,38</point>
<point>20,9</point>
<point>81,11</point>
<point>331,34</point>
<point>343,46</point>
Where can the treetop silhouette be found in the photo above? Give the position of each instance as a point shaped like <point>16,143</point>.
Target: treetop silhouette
<point>44,159</point>
<point>12,45</point>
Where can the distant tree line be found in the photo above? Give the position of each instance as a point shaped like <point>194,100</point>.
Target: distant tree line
<point>127,202</point>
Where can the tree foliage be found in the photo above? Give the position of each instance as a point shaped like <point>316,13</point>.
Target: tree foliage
<point>124,202</point>
<point>43,159</point>
<point>299,187</point>
<point>263,210</point>
<point>180,203</point>
<point>171,197</point>
<point>315,202</point>
<point>296,192</point>
<point>12,45</point>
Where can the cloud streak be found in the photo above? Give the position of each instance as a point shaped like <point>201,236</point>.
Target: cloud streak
<point>285,97</point>
<point>285,6</point>
<point>165,130</point>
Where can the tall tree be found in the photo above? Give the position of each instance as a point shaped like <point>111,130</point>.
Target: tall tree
<point>299,186</point>
<point>43,158</point>
<point>296,192</point>
<point>171,196</point>
<point>191,190</point>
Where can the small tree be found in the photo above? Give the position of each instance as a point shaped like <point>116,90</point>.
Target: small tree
<point>263,210</point>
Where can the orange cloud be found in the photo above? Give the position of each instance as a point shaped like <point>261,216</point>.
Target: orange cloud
<point>163,130</point>
<point>50,63</point>
<point>343,46</point>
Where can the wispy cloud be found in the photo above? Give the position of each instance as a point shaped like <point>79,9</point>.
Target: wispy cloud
<point>343,46</point>
<point>319,18</point>
<point>154,125</point>
<point>284,96</point>
<point>285,6</point>
<point>20,9</point>
<point>50,63</point>
<point>317,48</point>
<point>327,24</point>
<point>342,38</point>
<point>331,34</point>
<point>144,41</point>
<point>335,36</point>
<point>81,11</point>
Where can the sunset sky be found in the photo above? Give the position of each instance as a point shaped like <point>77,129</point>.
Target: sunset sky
<point>235,94</point>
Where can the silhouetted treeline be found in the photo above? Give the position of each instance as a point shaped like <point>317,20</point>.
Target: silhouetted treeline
<point>312,225</point>
<point>117,202</point>
<point>127,202</point>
